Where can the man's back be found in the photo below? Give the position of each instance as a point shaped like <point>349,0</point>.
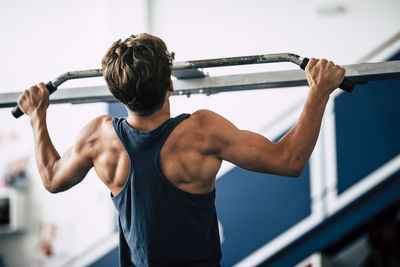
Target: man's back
<point>187,159</point>
<point>161,224</point>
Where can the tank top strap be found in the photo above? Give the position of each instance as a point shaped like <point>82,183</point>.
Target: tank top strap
<point>170,126</point>
<point>137,141</point>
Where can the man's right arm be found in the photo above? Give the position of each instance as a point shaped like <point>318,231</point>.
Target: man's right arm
<point>289,156</point>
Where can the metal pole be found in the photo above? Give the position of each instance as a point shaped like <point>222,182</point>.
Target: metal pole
<point>359,73</point>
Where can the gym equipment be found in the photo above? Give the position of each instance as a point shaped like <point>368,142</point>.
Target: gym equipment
<point>191,80</point>
<point>184,70</point>
<point>53,85</point>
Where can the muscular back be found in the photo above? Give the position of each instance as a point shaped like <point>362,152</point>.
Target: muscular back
<point>187,158</point>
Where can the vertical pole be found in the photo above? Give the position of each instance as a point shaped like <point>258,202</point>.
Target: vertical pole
<point>149,16</point>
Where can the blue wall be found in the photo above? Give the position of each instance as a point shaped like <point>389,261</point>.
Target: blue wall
<point>367,130</point>
<point>254,208</point>
<point>109,260</point>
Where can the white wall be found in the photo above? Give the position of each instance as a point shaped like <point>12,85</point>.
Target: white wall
<point>41,40</point>
<point>202,29</point>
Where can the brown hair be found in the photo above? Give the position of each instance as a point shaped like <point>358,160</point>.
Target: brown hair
<point>138,72</point>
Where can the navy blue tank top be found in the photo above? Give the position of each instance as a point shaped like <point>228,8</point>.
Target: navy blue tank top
<point>160,224</point>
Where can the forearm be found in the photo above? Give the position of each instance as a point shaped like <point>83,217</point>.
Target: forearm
<point>301,139</point>
<point>45,153</point>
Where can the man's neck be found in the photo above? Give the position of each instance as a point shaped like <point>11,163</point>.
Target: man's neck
<point>147,123</point>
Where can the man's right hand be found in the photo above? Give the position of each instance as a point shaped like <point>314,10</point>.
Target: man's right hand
<point>34,100</point>
<point>323,75</point>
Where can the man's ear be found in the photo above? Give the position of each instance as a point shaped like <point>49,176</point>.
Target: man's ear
<point>171,86</point>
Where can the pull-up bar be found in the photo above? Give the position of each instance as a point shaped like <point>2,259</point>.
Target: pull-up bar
<point>190,69</point>
<point>191,80</point>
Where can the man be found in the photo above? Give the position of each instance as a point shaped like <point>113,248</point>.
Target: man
<point>161,170</point>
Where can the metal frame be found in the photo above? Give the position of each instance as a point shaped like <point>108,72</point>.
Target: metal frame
<point>359,73</point>
<point>343,222</point>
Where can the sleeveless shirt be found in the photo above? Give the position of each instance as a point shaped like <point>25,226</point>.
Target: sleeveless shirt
<point>160,224</point>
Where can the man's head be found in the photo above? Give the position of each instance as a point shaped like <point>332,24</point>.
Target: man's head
<point>138,72</point>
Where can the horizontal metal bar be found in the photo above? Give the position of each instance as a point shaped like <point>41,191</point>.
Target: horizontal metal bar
<point>360,73</point>
<point>234,61</point>
<point>190,69</point>
<point>77,75</point>
<point>188,73</point>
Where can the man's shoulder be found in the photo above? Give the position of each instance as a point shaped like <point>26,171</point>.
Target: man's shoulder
<point>102,119</point>
<point>204,117</point>
<point>96,128</point>
<point>95,134</point>
<point>206,123</point>
<point>98,123</point>
<point>207,119</point>
<point>203,112</point>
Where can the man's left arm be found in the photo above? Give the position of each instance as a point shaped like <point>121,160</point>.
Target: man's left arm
<point>57,173</point>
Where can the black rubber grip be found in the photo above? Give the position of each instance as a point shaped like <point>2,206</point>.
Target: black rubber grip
<point>304,63</point>
<point>347,84</point>
<point>17,112</point>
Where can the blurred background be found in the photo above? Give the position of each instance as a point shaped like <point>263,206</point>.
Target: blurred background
<point>342,211</point>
